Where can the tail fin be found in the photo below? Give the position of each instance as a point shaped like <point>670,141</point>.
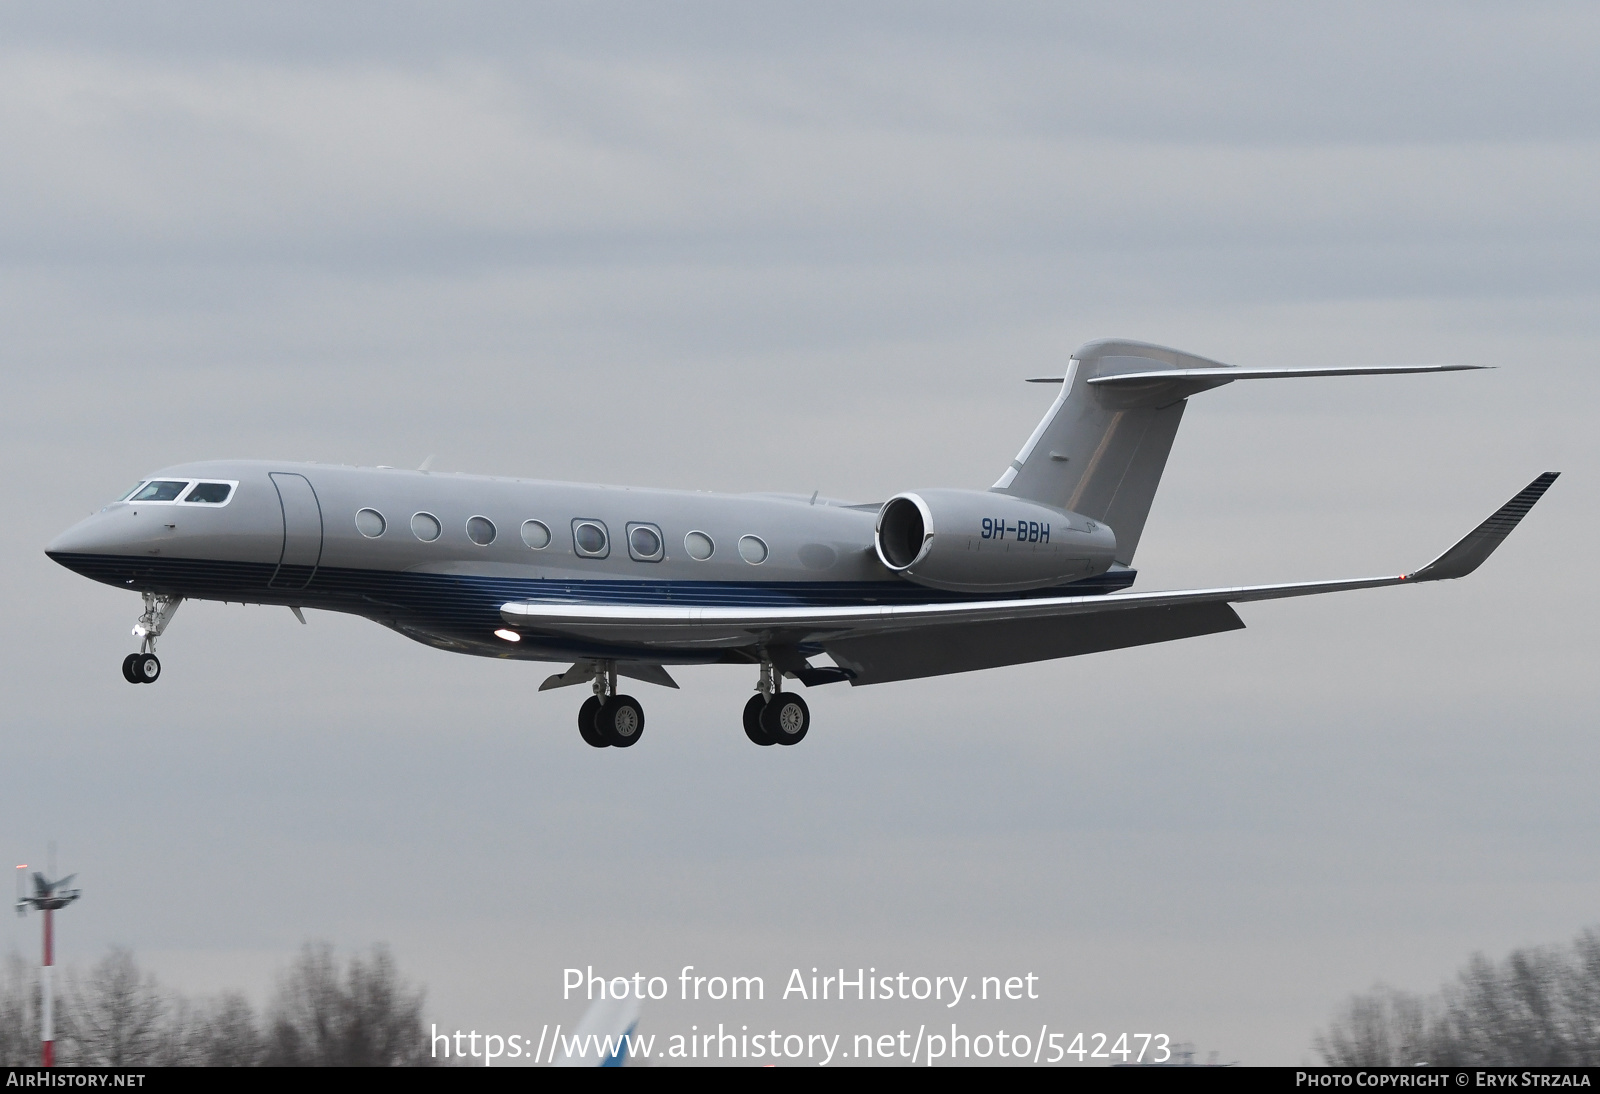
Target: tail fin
<point>1102,446</point>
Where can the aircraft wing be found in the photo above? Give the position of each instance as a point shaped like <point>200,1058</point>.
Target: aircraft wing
<point>874,643</point>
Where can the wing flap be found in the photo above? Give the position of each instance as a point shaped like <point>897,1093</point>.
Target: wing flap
<point>881,658</point>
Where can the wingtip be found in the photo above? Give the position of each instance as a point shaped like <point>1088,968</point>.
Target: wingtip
<point>1470,552</point>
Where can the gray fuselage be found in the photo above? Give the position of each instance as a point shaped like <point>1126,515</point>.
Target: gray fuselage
<point>357,540</point>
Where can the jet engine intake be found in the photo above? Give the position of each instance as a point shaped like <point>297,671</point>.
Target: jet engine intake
<point>980,541</point>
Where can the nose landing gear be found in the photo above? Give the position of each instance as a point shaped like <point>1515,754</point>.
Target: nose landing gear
<point>143,667</point>
<point>609,720</point>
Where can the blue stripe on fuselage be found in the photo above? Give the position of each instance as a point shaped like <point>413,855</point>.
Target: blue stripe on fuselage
<point>467,606</point>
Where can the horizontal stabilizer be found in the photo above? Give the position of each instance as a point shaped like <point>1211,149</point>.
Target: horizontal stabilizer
<point>1479,544</point>
<point>1225,373</point>
<point>1102,446</point>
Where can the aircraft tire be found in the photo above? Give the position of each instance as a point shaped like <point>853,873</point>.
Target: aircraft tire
<point>586,723</point>
<point>146,668</point>
<point>127,668</point>
<point>752,720</point>
<point>621,721</point>
<point>786,719</point>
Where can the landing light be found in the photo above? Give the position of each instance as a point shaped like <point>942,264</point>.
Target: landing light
<point>508,635</point>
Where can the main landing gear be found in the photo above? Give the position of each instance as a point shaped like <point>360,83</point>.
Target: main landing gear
<point>774,717</point>
<point>143,667</point>
<point>609,720</point>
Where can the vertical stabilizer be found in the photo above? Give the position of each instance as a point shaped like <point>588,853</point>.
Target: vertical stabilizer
<point>1101,448</point>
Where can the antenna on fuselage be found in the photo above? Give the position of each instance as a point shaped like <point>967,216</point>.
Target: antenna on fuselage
<point>427,464</point>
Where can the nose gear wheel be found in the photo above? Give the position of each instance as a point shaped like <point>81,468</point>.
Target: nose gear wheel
<point>142,667</point>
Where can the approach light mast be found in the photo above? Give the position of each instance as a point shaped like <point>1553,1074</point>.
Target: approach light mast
<point>47,896</point>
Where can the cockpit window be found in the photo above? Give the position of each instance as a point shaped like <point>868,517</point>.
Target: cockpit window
<point>209,493</point>
<point>160,490</point>
<point>130,493</point>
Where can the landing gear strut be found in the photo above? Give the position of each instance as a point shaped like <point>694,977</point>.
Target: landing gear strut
<point>609,720</point>
<point>773,716</point>
<point>143,667</point>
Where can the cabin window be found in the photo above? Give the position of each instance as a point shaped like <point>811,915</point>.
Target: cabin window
<point>536,534</point>
<point>644,543</point>
<point>699,546</point>
<point>753,549</point>
<point>480,530</point>
<point>160,490</point>
<point>209,493</point>
<point>425,526</point>
<point>370,523</point>
<point>590,539</point>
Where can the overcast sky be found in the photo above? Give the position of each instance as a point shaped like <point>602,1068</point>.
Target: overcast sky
<point>818,247</point>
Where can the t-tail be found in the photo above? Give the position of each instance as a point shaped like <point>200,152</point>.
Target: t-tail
<point>1102,446</point>
<point>606,1037</point>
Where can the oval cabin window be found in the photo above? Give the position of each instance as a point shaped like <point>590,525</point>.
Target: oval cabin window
<point>753,549</point>
<point>644,543</point>
<point>370,523</point>
<point>425,526</point>
<point>589,539</point>
<point>536,534</point>
<point>699,546</point>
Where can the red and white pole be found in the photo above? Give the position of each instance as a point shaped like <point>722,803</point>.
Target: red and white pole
<point>47,1001</point>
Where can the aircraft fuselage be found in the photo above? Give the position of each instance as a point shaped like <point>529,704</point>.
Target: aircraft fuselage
<point>435,555</point>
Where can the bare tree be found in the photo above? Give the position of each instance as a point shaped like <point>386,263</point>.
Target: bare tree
<point>114,1018</point>
<point>1382,1028</point>
<point>360,1014</point>
<point>1581,992</point>
<point>19,1012</point>
<point>364,1017</point>
<point>1540,1006</point>
<point>229,1035</point>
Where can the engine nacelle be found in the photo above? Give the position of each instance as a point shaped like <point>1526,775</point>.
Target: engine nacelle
<point>977,541</point>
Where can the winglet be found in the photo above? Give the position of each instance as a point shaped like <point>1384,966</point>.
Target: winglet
<point>1479,544</point>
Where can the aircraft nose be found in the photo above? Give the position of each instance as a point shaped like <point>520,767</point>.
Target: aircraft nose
<point>95,535</point>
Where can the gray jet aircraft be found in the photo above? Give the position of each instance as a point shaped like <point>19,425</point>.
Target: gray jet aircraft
<point>624,582</point>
